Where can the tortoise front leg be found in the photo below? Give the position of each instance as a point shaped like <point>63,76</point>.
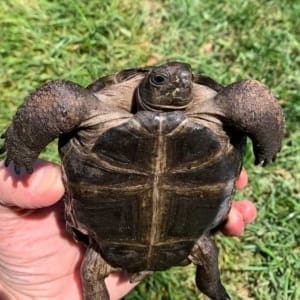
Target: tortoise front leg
<point>205,256</point>
<point>251,108</point>
<point>56,108</point>
<point>94,269</point>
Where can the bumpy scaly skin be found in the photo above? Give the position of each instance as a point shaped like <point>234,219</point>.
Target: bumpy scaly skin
<point>205,256</point>
<point>94,269</point>
<point>250,107</point>
<point>56,108</point>
<point>60,108</point>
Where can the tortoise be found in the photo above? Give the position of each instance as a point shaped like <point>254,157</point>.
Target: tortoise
<point>150,157</point>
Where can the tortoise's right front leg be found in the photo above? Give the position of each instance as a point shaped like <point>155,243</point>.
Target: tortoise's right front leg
<point>54,109</point>
<point>94,270</point>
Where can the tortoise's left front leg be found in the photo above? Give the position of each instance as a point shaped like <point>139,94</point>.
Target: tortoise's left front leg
<point>205,256</point>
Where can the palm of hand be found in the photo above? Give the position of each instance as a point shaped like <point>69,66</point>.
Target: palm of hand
<point>38,259</point>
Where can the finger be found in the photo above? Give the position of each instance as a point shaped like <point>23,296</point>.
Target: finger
<point>247,209</point>
<point>42,188</point>
<point>242,213</point>
<point>235,224</point>
<point>242,181</point>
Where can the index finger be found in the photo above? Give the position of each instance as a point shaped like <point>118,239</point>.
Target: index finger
<point>42,188</point>
<point>242,180</point>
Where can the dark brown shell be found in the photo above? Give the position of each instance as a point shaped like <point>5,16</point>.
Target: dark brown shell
<point>149,184</point>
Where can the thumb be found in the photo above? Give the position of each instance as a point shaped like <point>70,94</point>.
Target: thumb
<point>42,188</point>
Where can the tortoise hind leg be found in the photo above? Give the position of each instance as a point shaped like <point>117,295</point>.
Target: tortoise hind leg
<point>94,270</point>
<point>205,256</point>
<point>139,276</point>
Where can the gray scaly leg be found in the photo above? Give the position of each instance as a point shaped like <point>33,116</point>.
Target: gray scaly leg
<point>205,256</point>
<point>94,270</point>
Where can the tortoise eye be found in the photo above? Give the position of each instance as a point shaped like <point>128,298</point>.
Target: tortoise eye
<point>159,79</point>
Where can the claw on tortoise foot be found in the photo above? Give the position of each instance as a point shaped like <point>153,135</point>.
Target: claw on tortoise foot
<point>257,161</point>
<point>29,169</point>
<point>17,169</point>
<point>266,162</point>
<point>6,162</point>
<point>2,150</point>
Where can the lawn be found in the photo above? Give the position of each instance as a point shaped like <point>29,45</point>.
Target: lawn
<point>227,40</point>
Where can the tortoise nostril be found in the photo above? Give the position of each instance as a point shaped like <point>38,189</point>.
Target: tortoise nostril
<point>185,79</point>
<point>186,83</point>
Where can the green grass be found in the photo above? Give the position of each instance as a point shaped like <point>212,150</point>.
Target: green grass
<point>228,40</point>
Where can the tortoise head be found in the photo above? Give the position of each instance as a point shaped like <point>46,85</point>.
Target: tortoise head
<point>166,87</point>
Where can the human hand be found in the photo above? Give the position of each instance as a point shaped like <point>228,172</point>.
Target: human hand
<point>242,212</point>
<point>38,259</point>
